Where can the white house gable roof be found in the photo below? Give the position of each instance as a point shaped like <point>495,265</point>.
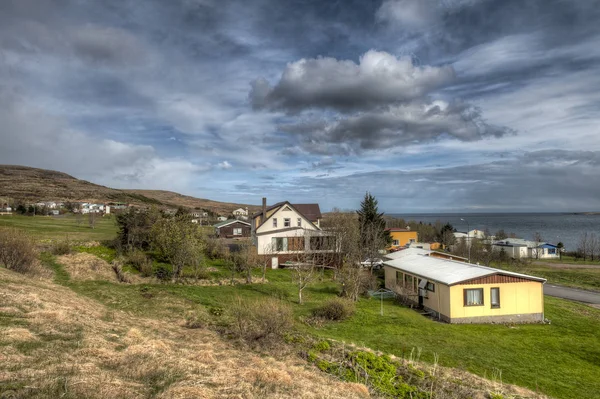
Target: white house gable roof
<point>286,210</point>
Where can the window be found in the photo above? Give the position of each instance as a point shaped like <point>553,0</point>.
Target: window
<point>430,287</point>
<point>411,240</point>
<point>495,297</point>
<point>399,277</point>
<point>274,222</point>
<point>237,231</point>
<point>395,243</point>
<point>287,222</point>
<point>296,243</point>
<point>473,297</point>
<point>551,251</point>
<point>279,244</point>
<point>299,222</point>
<point>408,281</point>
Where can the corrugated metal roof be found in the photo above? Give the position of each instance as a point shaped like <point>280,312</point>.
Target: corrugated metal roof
<point>403,253</point>
<point>447,271</point>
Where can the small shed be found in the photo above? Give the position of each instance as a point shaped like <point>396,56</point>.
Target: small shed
<point>232,228</point>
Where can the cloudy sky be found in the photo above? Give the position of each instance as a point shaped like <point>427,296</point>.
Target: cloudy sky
<point>431,105</point>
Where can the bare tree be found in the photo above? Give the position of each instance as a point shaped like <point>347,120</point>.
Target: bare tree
<point>246,259</point>
<point>537,237</point>
<point>592,246</point>
<point>583,246</point>
<point>304,272</point>
<point>92,220</point>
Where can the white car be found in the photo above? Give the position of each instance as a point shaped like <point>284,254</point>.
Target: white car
<point>377,263</point>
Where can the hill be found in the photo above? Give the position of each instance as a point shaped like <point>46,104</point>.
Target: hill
<point>33,184</point>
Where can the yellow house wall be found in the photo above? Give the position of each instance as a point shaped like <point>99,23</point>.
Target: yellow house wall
<point>437,300</point>
<point>515,298</point>
<point>403,237</point>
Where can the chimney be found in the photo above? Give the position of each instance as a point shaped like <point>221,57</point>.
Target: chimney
<point>264,209</point>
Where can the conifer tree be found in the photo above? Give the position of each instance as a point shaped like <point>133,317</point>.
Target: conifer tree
<point>373,236</point>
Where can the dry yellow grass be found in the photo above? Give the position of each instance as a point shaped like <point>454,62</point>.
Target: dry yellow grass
<point>54,343</point>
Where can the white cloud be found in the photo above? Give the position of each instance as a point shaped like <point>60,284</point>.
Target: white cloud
<point>379,78</point>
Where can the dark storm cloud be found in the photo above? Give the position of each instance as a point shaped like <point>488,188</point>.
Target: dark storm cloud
<point>398,126</point>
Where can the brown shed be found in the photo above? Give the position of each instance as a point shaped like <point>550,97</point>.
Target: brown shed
<point>232,228</point>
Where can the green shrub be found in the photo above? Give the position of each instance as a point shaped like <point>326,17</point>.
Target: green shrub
<point>321,346</point>
<point>163,273</point>
<point>335,309</point>
<point>17,251</point>
<point>382,374</point>
<point>140,262</point>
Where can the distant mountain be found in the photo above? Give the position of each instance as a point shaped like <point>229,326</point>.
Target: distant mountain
<point>32,184</point>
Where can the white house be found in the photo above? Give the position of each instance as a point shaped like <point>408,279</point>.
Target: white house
<point>222,218</point>
<point>240,212</point>
<point>284,231</point>
<point>519,248</point>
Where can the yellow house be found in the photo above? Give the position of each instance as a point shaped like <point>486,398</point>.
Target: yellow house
<point>460,292</point>
<point>402,237</point>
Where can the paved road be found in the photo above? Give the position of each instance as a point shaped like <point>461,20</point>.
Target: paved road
<point>572,293</point>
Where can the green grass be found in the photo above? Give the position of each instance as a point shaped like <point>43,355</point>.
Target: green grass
<point>586,278</point>
<point>561,359</point>
<point>52,228</point>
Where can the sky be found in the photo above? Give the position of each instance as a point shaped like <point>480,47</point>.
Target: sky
<point>432,106</point>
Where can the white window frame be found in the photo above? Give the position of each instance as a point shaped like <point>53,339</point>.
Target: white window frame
<point>287,222</point>
<point>275,222</point>
<point>299,222</point>
<point>237,231</point>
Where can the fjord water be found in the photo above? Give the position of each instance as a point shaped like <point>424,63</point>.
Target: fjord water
<point>554,227</point>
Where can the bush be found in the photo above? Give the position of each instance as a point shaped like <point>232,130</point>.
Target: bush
<point>17,251</point>
<point>61,247</point>
<point>261,319</point>
<point>140,262</point>
<point>335,309</point>
<point>163,273</point>
<point>118,269</point>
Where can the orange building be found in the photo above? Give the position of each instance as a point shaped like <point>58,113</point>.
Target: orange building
<point>402,237</point>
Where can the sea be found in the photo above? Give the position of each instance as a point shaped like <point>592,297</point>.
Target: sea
<point>553,227</point>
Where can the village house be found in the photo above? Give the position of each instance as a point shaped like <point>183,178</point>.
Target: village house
<point>221,218</point>
<point>460,292</point>
<point>517,248</point>
<point>288,231</point>
<point>233,228</point>
<point>402,237</point>
<point>241,212</point>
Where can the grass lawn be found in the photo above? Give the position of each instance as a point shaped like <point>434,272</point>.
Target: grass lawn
<point>579,277</point>
<point>52,228</point>
<point>561,359</point>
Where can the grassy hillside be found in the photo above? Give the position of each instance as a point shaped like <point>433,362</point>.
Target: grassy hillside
<point>561,359</point>
<point>53,228</point>
<point>169,197</point>
<point>32,184</point>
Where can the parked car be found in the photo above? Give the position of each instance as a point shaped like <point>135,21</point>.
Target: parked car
<point>377,263</point>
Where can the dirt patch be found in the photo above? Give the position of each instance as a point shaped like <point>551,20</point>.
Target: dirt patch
<point>83,266</point>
